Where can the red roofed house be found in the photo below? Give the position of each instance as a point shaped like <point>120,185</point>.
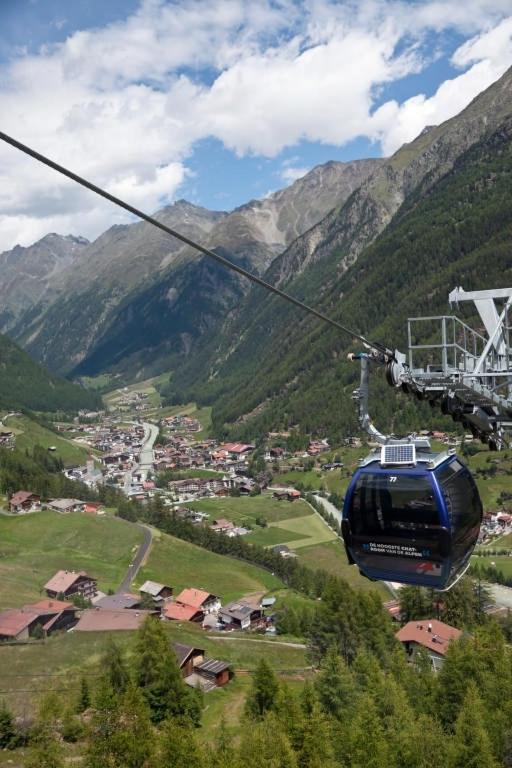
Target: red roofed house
<point>198,598</point>
<point>71,583</point>
<point>93,508</point>
<point>51,615</point>
<point>221,525</point>
<point>432,635</point>
<point>24,501</point>
<point>180,612</point>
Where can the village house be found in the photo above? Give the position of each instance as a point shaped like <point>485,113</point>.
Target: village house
<point>179,612</point>
<point>71,584</point>
<point>198,598</point>
<point>159,593</point>
<point>283,550</point>
<point>240,614</point>
<point>215,673</point>
<point>286,494</point>
<point>93,508</point>
<point>221,525</point>
<point>65,506</point>
<point>188,657</point>
<point>432,635</point>
<point>118,602</point>
<point>24,501</point>
<point>49,615</point>
<point>99,620</point>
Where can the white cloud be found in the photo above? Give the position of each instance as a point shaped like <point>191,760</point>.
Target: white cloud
<point>125,104</point>
<point>490,54</point>
<point>290,173</point>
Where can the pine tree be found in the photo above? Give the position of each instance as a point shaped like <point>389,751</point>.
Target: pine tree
<point>290,714</point>
<point>460,667</point>
<point>159,677</point>
<point>263,694</point>
<point>46,751</point>
<point>316,750</point>
<point>335,686</point>
<point>7,729</point>
<point>121,734</point>
<point>223,753</point>
<point>179,747</point>
<point>414,604</point>
<point>471,746</point>
<point>114,667</point>
<point>265,745</point>
<point>367,746</point>
<point>84,699</point>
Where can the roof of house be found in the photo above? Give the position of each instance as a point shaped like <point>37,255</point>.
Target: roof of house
<point>49,605</point>
<point>268,601</point>
<point>63,580</point>
<point>97,620</point>
<point>64,503</point>
<point>237,610</point>
<point>180,612</point>
<point>194,597</point>
<point>153,588</point>
<point>14,621</point>
<point>431,634</point>
<point>118,602</point>
<point>20,496</point>
<point>221,522</point>
<point>236,447</point>
<point>213,665</point>
<point>183,652</point>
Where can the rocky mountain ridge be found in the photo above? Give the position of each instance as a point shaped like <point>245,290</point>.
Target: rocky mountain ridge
<point>132,270</point>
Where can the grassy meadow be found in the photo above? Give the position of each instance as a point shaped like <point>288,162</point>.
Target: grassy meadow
<point>29,433</point>
<point>181,564</point>
<point>33,547</point>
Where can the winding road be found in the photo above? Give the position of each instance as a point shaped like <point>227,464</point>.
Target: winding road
<point>139,558</point>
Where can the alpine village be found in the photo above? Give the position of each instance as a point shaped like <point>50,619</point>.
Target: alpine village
<point>178,449</point>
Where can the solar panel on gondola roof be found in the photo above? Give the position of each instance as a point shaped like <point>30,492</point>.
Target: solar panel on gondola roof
<point>398,454</point>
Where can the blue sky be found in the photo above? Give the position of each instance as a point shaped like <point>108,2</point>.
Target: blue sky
<point>222,101</point>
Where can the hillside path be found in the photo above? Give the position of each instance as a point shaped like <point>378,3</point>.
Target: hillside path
<point>138,560</point>
<point>270,642</point>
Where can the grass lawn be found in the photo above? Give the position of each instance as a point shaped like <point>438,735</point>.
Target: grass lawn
<point>33,547</point>
<point>503,563</point>
<point>272,535</point>
<point>331,557</point>
<point>29,433</point>
<point>311,529</point>
<point>244,510</point>
<point>181,564</point>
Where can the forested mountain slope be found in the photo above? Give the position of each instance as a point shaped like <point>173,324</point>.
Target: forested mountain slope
<point>24,384</point>
<point>451,230</point>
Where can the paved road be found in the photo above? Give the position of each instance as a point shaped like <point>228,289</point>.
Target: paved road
<point>137,561</point>
<point>146,453</point>
<point>146,456</point>
<point>335,512</point>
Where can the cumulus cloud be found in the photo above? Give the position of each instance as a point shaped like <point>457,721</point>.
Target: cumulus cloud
<point>124,105</point>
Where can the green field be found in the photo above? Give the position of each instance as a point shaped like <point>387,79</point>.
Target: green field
<point>70,654</point>
<point>311,529</point>
<point>29,433</point>
<point>331,557</point>
<point>181,564</point>
<point>33,547</point>
<point>292,523</point>
<point>244,510</point>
